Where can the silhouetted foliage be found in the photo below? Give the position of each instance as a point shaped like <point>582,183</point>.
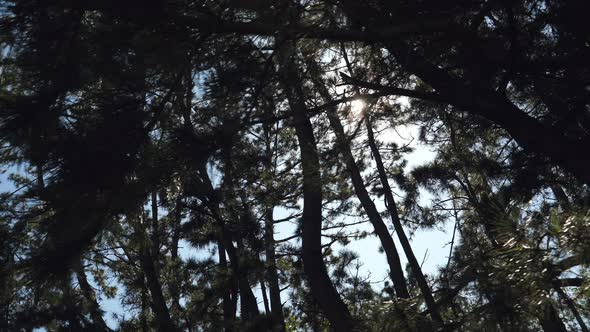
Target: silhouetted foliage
<point>207,165</point>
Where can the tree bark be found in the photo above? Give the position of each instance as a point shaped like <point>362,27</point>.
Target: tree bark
<point>175,285</point>
<point>237,254</point>
<point>158,302</point>
<point>276,307</point>
<point>143,315</point>
<point>71,311</point>
<point>229,308</point>
<point>314,267</point>
<point>146,261</point>
<point>264,297</point>
<point>572,306</point>
<point>248,301</point>
<point>560,196</point>
<point>155,236</point>
<point>393,212</point>
<point>395,268</point>
<point>90,296</point>
<point>550,320</point>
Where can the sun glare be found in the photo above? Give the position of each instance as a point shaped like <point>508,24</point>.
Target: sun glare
<point>356,107</point>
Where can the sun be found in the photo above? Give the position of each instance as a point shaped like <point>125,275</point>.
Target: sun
<point>357,107</point>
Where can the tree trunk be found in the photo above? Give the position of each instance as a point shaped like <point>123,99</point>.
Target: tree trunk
<point>276,307</point>
<point>158,301</point>
<point>247,299</point>
<point>90,296</point>
<point>278,319</point>
<point>229,309</point>
<point>396,271</point>
<point>146,261</point>
<point>550,320</point>
<point>560,196</point>
<point>155,238</point>
<point>248,302</point>
<point>572,306</point>
<point>311,229</point>
<point>71,310</point>
<point>143,315</point>
<point>393,212</point>
<point>264,297</point>
<point>174,287</point>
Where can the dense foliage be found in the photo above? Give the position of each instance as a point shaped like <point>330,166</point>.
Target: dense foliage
<point>207,164</point>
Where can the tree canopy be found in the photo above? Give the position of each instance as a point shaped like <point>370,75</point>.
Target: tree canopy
<point>262,137</point>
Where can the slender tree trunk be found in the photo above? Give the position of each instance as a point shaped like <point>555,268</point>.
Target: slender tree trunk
<point>572,306</point>
<point>7,287</point>
<point>247,298</point>
<point>311,229</point>
<point>90,296</point>
<point>396,271</point>
<point>248,302</point>
<point>229,309</point>
<point>144,306</point>
<point>72,314</point>
<point>264,297</point>
<point>155,238</point>
<point>278,320</point>
<point>560,196</point>
<point>146,261</point>
<point>393,212</point>
<point>176,279</point>
<point>158,301</point>
<point>276,313</point>
<point>550,320</point>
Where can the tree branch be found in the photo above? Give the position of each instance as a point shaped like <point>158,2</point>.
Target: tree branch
<point>388,90</point>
